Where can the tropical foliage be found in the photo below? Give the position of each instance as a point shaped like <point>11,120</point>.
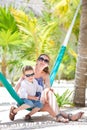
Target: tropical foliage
<point>9,36</point>
<point>64,99</point>
<point>23,36</point>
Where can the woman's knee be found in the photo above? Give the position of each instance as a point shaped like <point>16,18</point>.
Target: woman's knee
<point>45,107</point>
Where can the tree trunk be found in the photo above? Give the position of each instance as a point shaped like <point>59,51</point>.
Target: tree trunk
<point>3,63</point>
<point>3,66</point>
<point>81,66</point>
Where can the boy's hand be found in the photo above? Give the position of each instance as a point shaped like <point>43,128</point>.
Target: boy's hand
<point>36,98</point>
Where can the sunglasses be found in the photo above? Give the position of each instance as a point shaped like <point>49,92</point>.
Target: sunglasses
<point>29,75</point>
<point>42,59</point>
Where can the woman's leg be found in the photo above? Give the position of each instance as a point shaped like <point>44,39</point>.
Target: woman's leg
<point>47,108</point>
<point>58,117</point>
<point>49,97</point>
<point>51,106</point>
<point>52,102</point>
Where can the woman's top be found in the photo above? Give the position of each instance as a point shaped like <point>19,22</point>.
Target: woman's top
<point>40,82</point>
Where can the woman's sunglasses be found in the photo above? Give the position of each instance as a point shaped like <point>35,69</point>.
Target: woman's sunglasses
<point>29,75</point>
<point>42,59</point>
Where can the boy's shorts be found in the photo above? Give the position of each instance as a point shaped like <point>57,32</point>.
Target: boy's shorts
<point>33,103</point>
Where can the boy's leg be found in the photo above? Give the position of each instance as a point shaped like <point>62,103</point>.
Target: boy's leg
<point>22,107</point>
<point>33,111</point>
<point>14,110</point>
<point>37,106</point>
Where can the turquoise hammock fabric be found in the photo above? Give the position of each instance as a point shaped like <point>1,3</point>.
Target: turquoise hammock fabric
<point>63,48</point>
<point>57,64</point>
<point>9,87</point>
<point>11,91</point>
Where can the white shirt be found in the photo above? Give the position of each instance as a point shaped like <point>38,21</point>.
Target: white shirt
<point>29,89</point>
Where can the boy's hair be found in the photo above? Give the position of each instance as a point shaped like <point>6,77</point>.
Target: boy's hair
<point>27,67</point>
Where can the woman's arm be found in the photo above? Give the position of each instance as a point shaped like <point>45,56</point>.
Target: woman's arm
<point>46,80</point>
<point>17,86</point>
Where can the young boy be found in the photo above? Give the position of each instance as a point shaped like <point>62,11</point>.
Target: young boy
<point>27,91</point>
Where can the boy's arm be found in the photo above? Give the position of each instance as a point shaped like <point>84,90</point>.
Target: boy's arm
<point>32,98</point>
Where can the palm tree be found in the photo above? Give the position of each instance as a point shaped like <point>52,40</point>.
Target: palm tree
<point>81,66</point>
<point>9,36</point>
<point>37,33</point>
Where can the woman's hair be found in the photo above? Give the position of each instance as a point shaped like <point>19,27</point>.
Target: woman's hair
<point>27,67</point>
<point>46,70</point>
<point>43,55</point>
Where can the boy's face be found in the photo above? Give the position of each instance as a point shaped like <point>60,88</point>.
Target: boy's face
<point>29,75</point>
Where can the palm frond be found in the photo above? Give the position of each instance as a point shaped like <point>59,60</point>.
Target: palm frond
<point>64,99</point>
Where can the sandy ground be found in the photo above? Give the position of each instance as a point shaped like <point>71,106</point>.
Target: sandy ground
<point>41,120</point>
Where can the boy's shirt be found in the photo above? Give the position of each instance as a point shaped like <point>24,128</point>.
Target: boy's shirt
<point>29,89</point>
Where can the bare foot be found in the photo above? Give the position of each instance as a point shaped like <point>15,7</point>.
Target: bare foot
<point>60,118</point>
<point>76,117</point>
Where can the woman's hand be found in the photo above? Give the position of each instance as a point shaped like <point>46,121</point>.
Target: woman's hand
<point>44,96</point>
<point>36,98</point>
<point>42,67</point>
<point>52,90</point>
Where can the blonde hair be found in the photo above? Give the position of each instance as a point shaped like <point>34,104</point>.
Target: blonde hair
<point>27,67</point>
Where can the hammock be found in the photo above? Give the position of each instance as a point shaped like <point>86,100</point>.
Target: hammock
<point>63,48</point>
<point>9,87</point>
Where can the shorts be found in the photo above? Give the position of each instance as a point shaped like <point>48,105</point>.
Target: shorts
<point>33,103</point>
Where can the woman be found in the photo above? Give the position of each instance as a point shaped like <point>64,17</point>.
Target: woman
<point>42,72</point>
<point>50,104</point>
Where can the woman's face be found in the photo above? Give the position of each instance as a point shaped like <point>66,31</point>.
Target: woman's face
<point>43,60</point>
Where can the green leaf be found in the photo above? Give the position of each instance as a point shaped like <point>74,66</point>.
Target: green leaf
<point>64,99</point>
